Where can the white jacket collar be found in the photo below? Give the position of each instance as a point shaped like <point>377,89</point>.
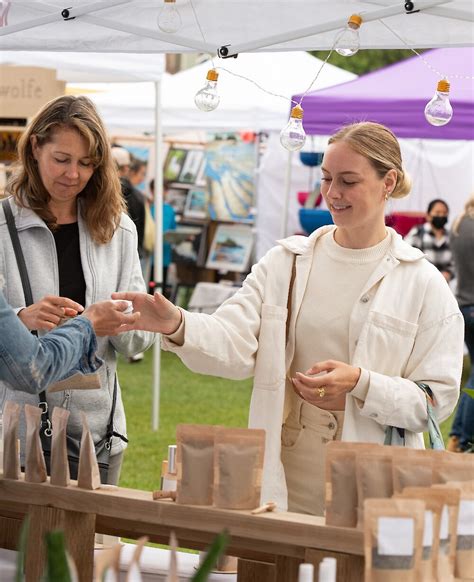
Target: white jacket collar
<point>302,245</point>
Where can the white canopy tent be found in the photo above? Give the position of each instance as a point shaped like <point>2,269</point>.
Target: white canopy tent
<point>231,26</point>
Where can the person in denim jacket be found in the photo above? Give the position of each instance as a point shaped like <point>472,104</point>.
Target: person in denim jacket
<point>31,364</point>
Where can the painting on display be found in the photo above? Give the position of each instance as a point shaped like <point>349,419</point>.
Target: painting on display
<point>196,204</point>
<point>230,178</point>
<point>174,164</point>
<point>231,247</point>
<point>191,167</point>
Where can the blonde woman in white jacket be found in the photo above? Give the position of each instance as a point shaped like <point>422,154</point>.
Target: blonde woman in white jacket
<point>335,328</point>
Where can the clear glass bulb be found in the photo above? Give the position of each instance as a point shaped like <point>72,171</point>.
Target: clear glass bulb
<point>169,19</point>
<point>207,98</point>
<point>348,42</point>
<point>293,136</point>
<point>439,111</point>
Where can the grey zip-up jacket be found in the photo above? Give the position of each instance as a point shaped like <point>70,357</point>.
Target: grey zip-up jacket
<point>110,267</point>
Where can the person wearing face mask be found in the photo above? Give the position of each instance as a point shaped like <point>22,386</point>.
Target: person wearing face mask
<point>336,329</point>
<point>432,238</point>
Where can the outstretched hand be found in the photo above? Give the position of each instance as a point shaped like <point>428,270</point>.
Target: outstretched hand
<point>108,317</point>
<point>157,314</point>
<point>49,312</point>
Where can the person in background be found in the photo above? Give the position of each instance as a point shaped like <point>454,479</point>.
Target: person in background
<point>336,328</point>
<point>432,238</point>
<point>30,364</point>
<point>461,436</point>
<point>79,247</point>
<point>137,172</point>
<point>132,196</point>
<point>169,223</point>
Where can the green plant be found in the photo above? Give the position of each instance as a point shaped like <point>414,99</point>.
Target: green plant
<point>57,563</point>
<point>20,558</point>
<point>216,550</point>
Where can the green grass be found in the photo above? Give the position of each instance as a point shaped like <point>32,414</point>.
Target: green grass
<point>185,397</point>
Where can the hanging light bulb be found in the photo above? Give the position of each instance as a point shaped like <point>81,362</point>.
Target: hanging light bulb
<point>349,42</point>
<point>207,99</point>
<point>439,111</point>
<point>169,19</point>
<point>292,137</point>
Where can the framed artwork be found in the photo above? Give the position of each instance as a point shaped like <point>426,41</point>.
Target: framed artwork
<point>230,178</point>
<point>191,247</point>
<point>196,204</point>
<point>174,164</point>
<point>230,250</point>
<point>177,199</point>
<point>191,167</point>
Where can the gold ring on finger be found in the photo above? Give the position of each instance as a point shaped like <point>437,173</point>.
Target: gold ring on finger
<point>321,392</point>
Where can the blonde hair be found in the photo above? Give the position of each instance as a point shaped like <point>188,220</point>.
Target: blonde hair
<point>468,211</point>
<point>102,201</point>
<point>380,147</point>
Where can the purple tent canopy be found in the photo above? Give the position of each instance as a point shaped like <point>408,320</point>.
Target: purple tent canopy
<point>396,96</point>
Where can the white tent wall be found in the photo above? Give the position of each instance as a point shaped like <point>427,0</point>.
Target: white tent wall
<point>438,169</point>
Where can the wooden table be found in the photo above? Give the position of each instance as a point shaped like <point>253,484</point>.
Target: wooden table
<point>271,546</point>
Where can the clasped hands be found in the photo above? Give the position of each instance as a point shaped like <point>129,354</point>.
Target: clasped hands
<point>326,383</point>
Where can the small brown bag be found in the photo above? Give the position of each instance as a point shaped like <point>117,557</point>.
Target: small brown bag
<point>440,525</point>
<point>35,467</point>
<point>195,463</point>
<point>453,467</point>
<point>238,467</point>
<point>374,478</point>
<point>411,468</point>
<point>59,461</point>
<point>464,560</point>
<point>341,481</point>
<point>393,536</point>
<point>11,450</point>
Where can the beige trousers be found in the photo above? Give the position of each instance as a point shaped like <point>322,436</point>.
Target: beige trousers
<point>303,453</point>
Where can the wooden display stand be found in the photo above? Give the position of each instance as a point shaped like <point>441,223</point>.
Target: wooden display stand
<point>270,546</point>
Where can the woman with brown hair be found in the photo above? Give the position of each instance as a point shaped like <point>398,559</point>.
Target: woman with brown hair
<point>79,247</point>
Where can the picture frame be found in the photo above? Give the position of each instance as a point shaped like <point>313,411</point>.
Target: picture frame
<point>231,247</point>
<point>191,166</point>
<point>174,163</point>
<point>176,198</point>
<point>191,248</point>
<point>196,205</point>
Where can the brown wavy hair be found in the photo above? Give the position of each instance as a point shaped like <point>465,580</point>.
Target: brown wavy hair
<point>380,147</point>
<point>101,200</point>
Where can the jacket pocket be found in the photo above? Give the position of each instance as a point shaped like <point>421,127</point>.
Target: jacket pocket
<point>387,341</point>
<point>270,358</point>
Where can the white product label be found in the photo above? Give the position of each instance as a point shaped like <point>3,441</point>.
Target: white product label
<point>169,484</point>
<point>444,525</point>
<point>396,536</point>
<point>466,517</point>
<point>428,529</point>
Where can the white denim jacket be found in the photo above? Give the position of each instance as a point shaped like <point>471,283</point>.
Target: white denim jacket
<point>405,327</point>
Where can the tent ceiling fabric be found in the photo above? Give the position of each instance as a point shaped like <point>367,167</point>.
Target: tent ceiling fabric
<point>269,25</point>
<point>91,67</point>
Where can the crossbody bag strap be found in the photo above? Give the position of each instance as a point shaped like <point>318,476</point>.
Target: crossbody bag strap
<point>25,282</point>
<point>20,259</point>
<point>110,426</point>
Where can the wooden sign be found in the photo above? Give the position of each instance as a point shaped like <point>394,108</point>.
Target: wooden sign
<point>24,90</point>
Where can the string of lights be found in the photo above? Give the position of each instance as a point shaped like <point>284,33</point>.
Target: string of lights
<point>438,111</point>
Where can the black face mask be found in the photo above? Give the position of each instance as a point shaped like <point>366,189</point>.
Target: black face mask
<point>439,221</point>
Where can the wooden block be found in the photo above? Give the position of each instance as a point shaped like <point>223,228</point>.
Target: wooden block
<point>9,532</point>
<point>250,571</point>
<point>79,530</point>
<point>42,520</point>
<point>350,568</point>
<point>287,569</point>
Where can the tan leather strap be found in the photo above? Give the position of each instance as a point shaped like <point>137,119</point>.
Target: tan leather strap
<point>290,294</point>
